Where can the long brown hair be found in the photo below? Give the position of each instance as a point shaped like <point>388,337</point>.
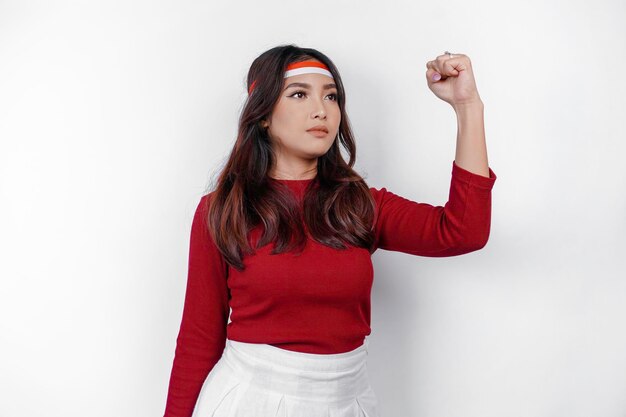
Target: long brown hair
<point>337,206</point>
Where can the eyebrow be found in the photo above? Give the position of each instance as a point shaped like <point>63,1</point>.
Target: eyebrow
<point>305,85</point>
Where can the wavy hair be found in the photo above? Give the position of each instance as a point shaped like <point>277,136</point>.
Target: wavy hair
<point>337,207</point>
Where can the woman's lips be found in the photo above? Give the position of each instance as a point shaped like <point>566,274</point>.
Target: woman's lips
<point>318,133</point>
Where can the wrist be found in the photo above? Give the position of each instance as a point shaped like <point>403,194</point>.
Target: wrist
<point>469,107</point>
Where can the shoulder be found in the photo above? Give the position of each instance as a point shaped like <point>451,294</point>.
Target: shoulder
<point>202,207</point>
<point>206,199</point>
<point>378,194</point>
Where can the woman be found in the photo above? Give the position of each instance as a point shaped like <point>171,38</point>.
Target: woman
<point>285,241</point>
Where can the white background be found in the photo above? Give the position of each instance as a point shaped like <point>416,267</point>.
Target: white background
<point>116,115</point>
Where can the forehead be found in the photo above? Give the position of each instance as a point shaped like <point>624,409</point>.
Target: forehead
<point>319,81</point>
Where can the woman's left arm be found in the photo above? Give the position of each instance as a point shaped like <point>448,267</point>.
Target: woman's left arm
<point>462,225</point>
<point>451,78</point>
<point>471,149</point>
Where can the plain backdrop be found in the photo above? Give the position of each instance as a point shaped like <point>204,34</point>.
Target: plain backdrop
<point>116,115</point>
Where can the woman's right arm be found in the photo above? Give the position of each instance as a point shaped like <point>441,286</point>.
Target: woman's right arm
<point>202,335</point>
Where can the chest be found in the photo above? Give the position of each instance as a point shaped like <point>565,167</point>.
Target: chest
<point>317,273</point>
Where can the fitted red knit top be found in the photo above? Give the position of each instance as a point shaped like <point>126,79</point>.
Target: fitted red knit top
<point>319,300</point>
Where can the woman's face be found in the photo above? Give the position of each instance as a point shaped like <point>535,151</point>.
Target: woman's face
<point>306,101</point>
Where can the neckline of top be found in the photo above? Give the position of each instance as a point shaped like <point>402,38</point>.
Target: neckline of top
<point>289,180</point>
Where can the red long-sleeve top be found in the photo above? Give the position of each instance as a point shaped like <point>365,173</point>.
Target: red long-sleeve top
<point>318,301</point>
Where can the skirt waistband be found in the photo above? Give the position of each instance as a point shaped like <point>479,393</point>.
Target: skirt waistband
<point>329,377</point>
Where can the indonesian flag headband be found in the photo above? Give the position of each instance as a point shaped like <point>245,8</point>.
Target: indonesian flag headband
<point>304,67</point>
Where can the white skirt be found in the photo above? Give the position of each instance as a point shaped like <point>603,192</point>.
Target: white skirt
<point>261,380</point>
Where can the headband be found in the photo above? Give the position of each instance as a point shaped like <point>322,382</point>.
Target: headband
<point>304,67</point>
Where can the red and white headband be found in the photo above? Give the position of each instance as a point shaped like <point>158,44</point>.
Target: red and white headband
<point>304,67</point>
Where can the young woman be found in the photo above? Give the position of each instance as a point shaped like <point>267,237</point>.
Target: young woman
<point>285,241</point>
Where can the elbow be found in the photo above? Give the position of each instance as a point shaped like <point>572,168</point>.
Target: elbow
<point>474,241</point>
<point>477,241</point>
<point>479,245</point>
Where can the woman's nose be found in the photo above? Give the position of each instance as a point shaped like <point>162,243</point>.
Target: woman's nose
<point>320,113</point>
<point>319,108</point>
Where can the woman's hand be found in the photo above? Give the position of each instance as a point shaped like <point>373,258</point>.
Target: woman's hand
<point>456,85</point>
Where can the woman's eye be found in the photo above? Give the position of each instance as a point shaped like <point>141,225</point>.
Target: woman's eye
<point>333,95</point>
<point>297,92</point>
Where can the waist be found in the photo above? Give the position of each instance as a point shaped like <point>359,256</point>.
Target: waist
<point>329,377</point>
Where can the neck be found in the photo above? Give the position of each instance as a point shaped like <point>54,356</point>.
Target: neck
<point>286,175</point>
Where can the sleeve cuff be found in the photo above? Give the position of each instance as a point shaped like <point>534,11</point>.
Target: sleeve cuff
<point>472,178</point>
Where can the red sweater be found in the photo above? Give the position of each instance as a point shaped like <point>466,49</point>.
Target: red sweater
<point>319,301</point>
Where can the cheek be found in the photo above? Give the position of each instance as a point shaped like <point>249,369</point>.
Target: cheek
<point>288,126</point>
<point>337,117</point>
<point>285,120</point>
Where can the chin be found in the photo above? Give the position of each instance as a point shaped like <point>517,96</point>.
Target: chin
<point>314,154</point>
<point>323,148</point>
